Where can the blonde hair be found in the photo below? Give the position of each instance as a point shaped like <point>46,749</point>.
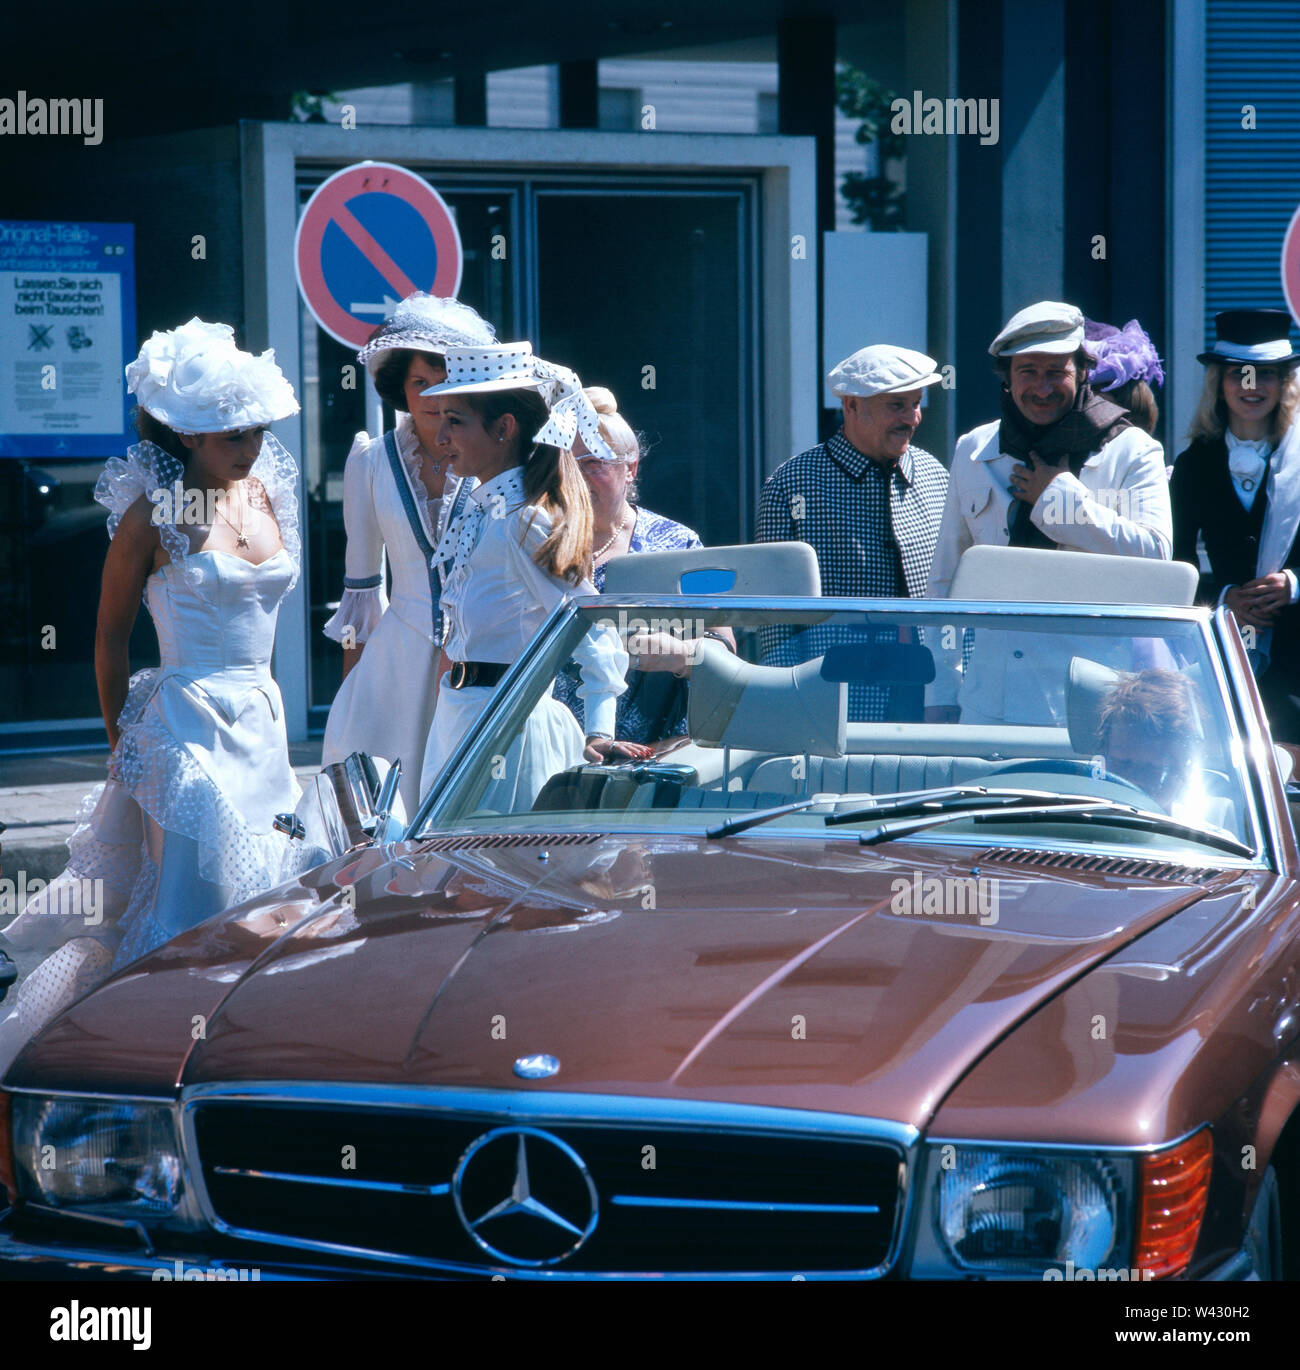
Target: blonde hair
<point>1211,417</point>
<point>614,428</point>
<point>552,481</point>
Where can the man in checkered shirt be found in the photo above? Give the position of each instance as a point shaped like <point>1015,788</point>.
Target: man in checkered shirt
<point>868,503</point>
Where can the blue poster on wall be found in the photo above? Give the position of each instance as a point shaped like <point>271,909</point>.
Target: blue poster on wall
<point>67,330</point>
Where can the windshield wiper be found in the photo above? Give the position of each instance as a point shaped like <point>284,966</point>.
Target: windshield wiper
<point>947,799</point>
<point>1115,815</point>
<point>891,805</point>
<point>916,810</point>
<point>1080,808</point>
<point>900,827</point>
<point>752,819</point>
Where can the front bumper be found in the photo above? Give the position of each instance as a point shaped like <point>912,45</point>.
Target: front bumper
<point>30,1258</point>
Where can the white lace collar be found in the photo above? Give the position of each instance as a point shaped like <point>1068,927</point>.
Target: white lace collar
<point>150,471</point>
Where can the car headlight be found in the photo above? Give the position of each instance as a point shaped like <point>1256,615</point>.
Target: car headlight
<point>1023,1213</point>
<point>110,1158</point>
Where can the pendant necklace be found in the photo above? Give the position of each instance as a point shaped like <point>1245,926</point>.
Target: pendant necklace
<point>600,552</point>
<point>241,538</point>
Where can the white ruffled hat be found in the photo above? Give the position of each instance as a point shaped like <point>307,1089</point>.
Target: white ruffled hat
<point>195,380</point>
<point>513,366</point>
<point>427,323</point>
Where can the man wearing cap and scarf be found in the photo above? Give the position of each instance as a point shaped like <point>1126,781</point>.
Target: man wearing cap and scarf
<point>1063,467</point>
<point>866,500</point>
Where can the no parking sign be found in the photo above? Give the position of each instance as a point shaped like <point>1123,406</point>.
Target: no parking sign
<point>370,235</point>
<point>1291,267</point>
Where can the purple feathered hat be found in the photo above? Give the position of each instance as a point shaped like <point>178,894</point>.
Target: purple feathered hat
<point>1120,355</point>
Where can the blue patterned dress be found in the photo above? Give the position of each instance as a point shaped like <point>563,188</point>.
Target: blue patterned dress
<point>654,706</point>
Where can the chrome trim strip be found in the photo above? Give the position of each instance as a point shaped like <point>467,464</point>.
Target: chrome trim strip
<point>1258,745</point>
<point>827,604</point>
<point>739,1205</point>
<point>163,1101</point>
<point>424,1190</point>
<point>1079,1148</point>
<point>562,1107</point>
<point>559,1108</point>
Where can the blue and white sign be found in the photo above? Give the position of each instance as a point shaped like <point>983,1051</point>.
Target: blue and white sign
<point>67,327</point>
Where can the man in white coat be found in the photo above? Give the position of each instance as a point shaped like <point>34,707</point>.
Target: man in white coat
<point>1063,467</point>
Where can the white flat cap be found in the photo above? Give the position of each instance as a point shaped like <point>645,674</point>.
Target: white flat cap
<point>880,369</point>
<point>1048,326</point>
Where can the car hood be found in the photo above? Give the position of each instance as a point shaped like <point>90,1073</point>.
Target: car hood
<point>765,971</point>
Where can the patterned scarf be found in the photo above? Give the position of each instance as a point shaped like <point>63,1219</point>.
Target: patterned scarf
<point>1091,422</point>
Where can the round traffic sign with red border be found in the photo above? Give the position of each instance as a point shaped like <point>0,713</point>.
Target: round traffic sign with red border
<point>1291,266</point>
<point>369,236</point>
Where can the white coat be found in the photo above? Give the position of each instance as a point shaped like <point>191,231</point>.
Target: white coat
<point>1117,504</point>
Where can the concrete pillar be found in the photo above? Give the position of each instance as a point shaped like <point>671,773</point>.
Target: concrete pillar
<point>1033,133</point>
<point>806,108</point>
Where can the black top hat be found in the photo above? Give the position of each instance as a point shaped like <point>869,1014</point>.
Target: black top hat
<point>1261,337</point>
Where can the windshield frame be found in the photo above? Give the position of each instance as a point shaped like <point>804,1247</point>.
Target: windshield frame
<point>1263,822</point>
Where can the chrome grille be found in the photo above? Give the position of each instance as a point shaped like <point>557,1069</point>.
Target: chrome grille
<point>672,1199</point>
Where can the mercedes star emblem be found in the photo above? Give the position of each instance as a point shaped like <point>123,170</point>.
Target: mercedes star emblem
<point>524,1196</point>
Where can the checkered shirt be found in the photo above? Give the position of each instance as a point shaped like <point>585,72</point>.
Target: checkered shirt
<point>873,528</point>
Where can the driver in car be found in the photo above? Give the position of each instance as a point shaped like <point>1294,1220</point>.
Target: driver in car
<point>1150,732</point>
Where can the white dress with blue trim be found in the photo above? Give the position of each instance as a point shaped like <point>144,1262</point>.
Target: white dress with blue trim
<point>385,705</point>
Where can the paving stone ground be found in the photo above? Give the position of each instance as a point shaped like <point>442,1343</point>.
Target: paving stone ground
<point>39,798</point>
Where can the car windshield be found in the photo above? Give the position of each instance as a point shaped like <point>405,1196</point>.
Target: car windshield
<point>953,724</point>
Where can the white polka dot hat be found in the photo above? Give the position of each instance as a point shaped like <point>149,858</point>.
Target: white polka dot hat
<point>427,323</point>
<point>513,366</point>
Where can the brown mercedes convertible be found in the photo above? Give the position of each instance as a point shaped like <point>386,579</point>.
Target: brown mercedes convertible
<point>827,987</point>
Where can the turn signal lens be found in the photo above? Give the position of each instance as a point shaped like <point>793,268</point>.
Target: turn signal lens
<point>1175,1187</point>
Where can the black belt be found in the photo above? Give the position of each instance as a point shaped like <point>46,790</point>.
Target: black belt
<point>463,674</point>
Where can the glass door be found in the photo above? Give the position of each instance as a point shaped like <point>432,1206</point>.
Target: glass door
<point>334,411</point>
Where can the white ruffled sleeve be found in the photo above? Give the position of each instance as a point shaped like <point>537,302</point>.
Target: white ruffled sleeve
<point>364,597</point>
<point>149,471</point>
<point>278,472</point>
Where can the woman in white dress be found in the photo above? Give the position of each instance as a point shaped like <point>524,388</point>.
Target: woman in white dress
<point>203,524</point>
<point>522,546</point>
<point>393,496</point>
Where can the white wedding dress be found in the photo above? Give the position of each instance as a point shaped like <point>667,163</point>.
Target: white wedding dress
<point>182,829</point>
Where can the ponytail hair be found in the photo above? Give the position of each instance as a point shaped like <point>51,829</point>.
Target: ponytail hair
<point>552,481</point>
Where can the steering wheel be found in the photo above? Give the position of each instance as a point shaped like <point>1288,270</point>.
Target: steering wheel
<point>1061,765</point>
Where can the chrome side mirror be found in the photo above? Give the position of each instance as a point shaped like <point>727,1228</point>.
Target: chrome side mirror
<point>290,824</point>
<point>387,828</point>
